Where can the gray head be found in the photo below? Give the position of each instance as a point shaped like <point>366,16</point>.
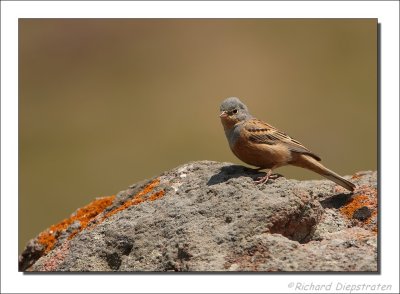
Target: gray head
<point>233,111</point>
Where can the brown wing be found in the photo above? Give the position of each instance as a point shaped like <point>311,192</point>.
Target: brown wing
<point>262,133</point>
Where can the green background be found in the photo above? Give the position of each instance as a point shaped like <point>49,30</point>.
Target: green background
<point>106,103</point>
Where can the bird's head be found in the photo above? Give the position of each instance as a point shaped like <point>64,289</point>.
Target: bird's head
<point>233,111</point>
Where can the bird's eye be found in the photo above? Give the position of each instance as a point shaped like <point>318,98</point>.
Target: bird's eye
<point>234,111</point>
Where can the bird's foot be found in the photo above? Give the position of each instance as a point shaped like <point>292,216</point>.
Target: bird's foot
<point>264,179</point>
<point>261,180</point>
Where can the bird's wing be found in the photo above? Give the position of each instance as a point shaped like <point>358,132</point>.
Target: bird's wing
<point>260,132</point>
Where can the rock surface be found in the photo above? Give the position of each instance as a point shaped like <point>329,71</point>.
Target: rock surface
<point>209,216</point>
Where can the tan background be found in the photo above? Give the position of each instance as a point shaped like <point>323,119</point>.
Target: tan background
<point>106,103</point>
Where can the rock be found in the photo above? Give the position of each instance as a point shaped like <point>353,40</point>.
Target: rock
<point>362,213</point>
<point>209,216</point>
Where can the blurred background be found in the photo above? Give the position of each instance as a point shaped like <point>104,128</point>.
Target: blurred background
<point>106,103</point>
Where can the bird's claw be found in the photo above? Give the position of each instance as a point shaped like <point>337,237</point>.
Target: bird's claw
<point>264,179</point>
<point>261,180</point>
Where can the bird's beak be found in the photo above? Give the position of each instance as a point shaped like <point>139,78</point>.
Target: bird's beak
<point>223,114</point>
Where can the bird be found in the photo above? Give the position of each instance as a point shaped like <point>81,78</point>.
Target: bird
<point>257,143</point>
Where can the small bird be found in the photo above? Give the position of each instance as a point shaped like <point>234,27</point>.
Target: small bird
<point>260,144</point>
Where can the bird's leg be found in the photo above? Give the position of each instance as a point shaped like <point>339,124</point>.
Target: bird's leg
<point>265,178</point>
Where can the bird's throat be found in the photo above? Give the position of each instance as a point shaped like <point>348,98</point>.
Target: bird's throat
<point>232,134</point>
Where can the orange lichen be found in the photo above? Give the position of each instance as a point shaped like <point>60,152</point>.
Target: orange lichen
<point>72,235</point>
<point>47,239</point>
<point>87,213</point>
<point>84,215</point>
<point>157,195</point>
<point>137,199</point>
<point>355,176</point>
<point>356,203</point>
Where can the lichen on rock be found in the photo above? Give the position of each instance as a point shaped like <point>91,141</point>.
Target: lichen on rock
<point>210,216</point>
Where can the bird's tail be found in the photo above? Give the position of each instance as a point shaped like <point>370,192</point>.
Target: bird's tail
<point>312,164</point>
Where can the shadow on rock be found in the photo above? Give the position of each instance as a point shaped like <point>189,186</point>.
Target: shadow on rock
<point>336,201</point>
<point>233,171</point>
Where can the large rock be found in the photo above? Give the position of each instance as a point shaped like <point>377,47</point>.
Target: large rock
<point>209,216</point>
